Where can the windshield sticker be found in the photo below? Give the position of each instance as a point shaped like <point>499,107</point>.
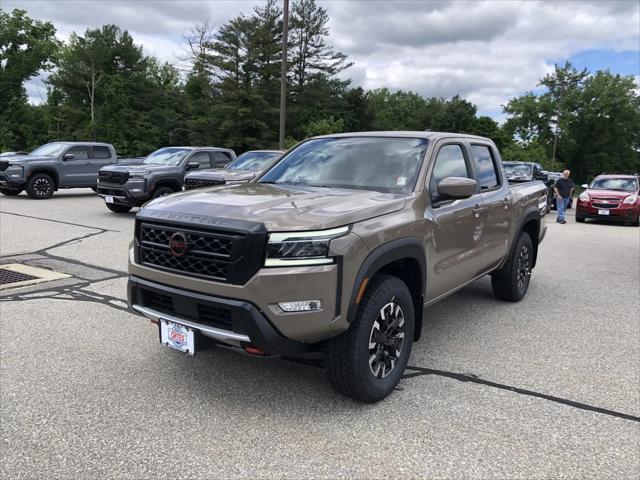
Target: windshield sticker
<point>401,181</point>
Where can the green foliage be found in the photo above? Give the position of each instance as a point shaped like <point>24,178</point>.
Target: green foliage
<point>27,47</point>
<point>324,126</point>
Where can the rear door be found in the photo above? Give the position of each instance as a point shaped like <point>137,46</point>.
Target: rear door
<point>455,253</point>
<point>220,159</point>
<point>77,171</point>
<point>497,199</point>
<point>101,157</point>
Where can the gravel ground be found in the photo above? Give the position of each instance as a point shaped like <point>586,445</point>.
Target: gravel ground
<point>545,388</point>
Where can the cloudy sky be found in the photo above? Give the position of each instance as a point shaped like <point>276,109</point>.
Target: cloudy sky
<point>486,51</point>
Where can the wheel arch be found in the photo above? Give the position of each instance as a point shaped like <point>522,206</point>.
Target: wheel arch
<point>52,172</point>
<point>166,182</point>
<point>403,258</point>
<point>530,223</point>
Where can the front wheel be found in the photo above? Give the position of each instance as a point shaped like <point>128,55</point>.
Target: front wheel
<point>368,360</point>
<point>40,186</point>
<point>512,281</point>
<point>162,191</point>
<point>118,208</point>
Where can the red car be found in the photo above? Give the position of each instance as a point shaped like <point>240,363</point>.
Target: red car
<point>611,197</point>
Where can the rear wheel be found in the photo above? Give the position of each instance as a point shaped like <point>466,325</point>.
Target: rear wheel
<point>162,191</point>
<point>512,281</point>
<point>40,186</point>
<point>368,360</point>
<point>118,208</point>
<point>10,193</point>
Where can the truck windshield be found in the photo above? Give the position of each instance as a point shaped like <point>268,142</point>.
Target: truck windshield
<point>622,184</point>
<point>517,171</point>
<point>170,156</point>
<point>385,164</point>
<point>253,161</point>
<point>50,149</point>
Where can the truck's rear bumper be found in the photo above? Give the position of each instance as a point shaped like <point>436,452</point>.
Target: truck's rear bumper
<point>231,322</point>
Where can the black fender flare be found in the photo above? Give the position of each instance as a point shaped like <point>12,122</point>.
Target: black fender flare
<point>52,172</point>
<point>409,247</point>
<point>532,215</point>
<point>166,182</point>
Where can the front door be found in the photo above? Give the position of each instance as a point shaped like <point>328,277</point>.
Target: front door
<point>77,171</point>
<point>455,253</point>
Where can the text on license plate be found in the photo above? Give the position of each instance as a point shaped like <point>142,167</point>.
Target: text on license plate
<point>603,211</point>
<point>176,336</point>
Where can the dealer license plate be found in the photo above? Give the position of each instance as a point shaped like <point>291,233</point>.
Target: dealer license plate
<point>177,336</point>
<point>603,211</point>
<point>108,199</point>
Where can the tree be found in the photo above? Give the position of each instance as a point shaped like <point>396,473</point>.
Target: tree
<point>27,47</point>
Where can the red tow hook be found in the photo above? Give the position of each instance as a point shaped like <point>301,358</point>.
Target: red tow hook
<point>253,350</point>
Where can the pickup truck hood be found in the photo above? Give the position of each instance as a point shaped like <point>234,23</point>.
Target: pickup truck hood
<point>139,168</point>
<point>26,159</point>
<point>130,161</point>
<point>222,174</point>
<point>279,207</point>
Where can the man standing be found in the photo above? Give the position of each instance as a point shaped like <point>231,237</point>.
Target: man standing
<point>563,190</point>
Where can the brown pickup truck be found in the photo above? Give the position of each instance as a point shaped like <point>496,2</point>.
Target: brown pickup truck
<point>336,250</point>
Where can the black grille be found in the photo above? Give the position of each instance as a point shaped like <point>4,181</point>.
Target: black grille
<point>113,177</point>
<point>4,166</point>
<point>158,301</point>
<point>193,183</point>
<point>604,205</point>
<point>214,316</point>
<point>215,255</point>
<point>115,192</point>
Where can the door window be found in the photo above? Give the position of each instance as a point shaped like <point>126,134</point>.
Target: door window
<point>79,153</point>
<point>450,162</point>
<point>101,153</point>
<point>202,158</point>
<point>486,167</point>
<point>220,159</point>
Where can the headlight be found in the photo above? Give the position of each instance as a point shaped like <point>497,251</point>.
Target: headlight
<point>631,199</point>
<point>301,248</point>
<point>15,171</point>
<point>138,176</point>
<point>584,197</point>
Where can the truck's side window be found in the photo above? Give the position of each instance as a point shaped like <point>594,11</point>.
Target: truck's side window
<point>450,162</point>
<point>101,152</point>
<point>202,158</point>
<point>79,153</point>
<point>486,167</point>
<point>220,159</point>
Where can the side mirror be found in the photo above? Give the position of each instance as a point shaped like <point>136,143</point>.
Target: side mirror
<point>457,187</point>
<point>193,165</point>
<point>584,185</point>
<point>68,156</point>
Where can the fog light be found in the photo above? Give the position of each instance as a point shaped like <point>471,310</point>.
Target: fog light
<point>301,306</point>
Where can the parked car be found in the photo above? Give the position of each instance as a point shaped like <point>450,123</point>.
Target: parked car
<point>243,169</point>
<point>161,173</point>
<point>518,172</point>
<point>335,250</point>
<point>54,166</point>
<point>611,197</point>
<point>552,177</point>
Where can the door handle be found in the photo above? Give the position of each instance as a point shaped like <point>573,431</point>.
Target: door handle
<point>506,202</point>
<point>477,210</point>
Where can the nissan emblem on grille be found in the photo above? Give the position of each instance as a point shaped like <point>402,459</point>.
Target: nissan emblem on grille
<point>178,244</point>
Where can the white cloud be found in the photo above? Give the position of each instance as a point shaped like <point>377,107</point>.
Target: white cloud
<point>485,51</point>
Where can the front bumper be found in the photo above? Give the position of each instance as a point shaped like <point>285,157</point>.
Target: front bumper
<point>622,212</point>
<point>11,183</point>
<point>235,323</point>
<point>124,194</point>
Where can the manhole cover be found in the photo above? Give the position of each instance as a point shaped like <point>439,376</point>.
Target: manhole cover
<point>15,275</point>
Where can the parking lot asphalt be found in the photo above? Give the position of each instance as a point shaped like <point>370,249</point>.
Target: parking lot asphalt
<point>547,387</point>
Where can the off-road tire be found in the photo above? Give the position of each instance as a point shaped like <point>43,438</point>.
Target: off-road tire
<point>41,186</point>
<point>118,208</point>
<point>348,356</point>
<point>162,191</point>
<point>512,281</point>
<point>10,193</point>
